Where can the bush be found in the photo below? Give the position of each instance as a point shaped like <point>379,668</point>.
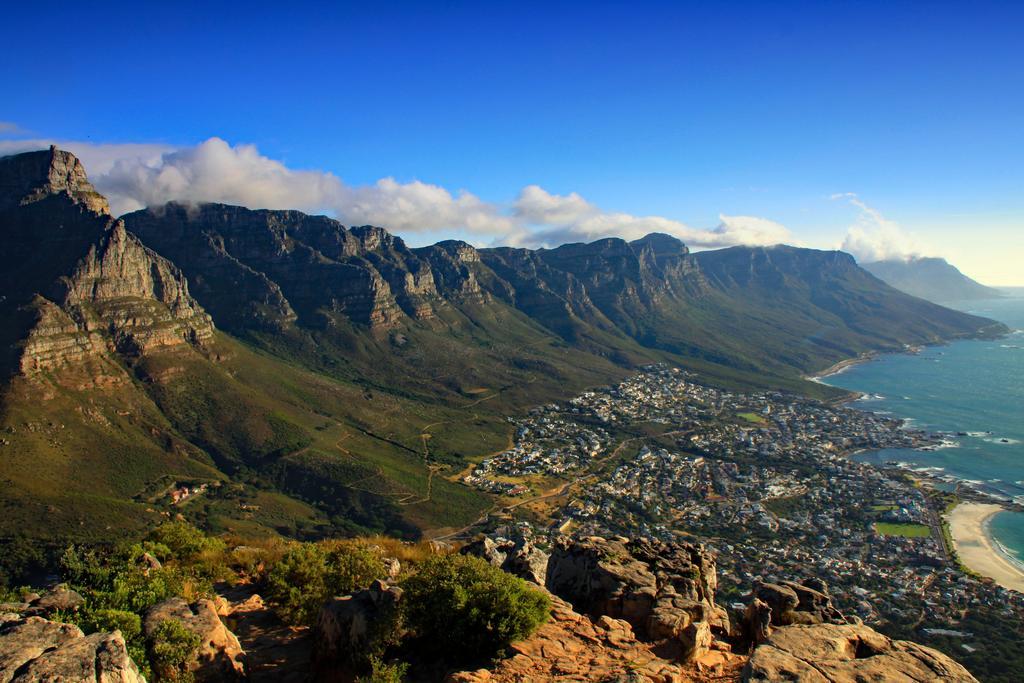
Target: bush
<point>128,623</point>
<point>118,580</point>
<point>180,541</point>
<point>352,567</point>
<point>172,648</point>
<point>381,672</point>
<point>308,575</point>
<point>469,609</point>
<point>296,586</point>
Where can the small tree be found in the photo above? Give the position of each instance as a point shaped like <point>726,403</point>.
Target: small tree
<point>308,576</point>
<point>470,609</point>
<point>351,568</point>
<point>172,648</point>
<point>297,584</point>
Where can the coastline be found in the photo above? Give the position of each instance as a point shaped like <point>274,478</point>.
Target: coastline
<point>842,365</point>
<point>978,550</point>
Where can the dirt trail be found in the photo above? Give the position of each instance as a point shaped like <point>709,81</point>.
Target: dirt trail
<point>274,651</point>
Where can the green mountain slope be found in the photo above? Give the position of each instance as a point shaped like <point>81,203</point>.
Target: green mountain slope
<point>350,379</point>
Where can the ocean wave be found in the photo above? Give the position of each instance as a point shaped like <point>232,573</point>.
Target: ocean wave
<point>1002,440</point>
<point>1009,554</point>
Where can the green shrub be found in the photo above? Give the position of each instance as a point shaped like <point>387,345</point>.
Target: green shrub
<point>352,567</point>
<point>382,672</point>
<point>182,540</point>
<point>297,584</point>
<point>469,609</point>
<point>172,647</point>
<point>308,575</point>
<point>128,623</point>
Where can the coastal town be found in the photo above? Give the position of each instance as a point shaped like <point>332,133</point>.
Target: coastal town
<point>766,480</point>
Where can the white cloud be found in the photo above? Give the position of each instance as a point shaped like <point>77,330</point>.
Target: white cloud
<point>133,176</point>
<point>873,237</point>
<point>10,128</point>
<point>556,219</point>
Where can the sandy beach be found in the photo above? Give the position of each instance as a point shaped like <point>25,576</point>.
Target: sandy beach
<point>968,524</point>
<point>839,367</point>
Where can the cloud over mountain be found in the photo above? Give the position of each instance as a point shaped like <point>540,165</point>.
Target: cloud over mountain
<point>873,237</point>
<point>557,219</point>
<point>133,176</point>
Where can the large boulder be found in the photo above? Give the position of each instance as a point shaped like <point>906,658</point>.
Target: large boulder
<point>34,650</point>
<point>60,598</point>
<point>351,626</point>
<point>220,656</point>
<point>799,603</point>
<point>850,653</point>
<point>664,590</point>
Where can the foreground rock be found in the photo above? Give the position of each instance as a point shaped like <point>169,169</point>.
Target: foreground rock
<point>665,591</point>
<point>348,625</point>
<point>33,649</point>
<point>220,657</point>
<point>830,653</point>
<point>572,647</point>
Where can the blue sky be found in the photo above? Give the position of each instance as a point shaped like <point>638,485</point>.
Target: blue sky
<point>711,116</point>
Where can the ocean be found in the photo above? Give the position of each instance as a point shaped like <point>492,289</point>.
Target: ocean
<point>971,390</point>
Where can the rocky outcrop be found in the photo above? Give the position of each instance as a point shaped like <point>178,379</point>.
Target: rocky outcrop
<point>829,653</point>
<point>33,177</point>
<point>258,270</point>
<point>457,270</point>
<point>77,284</point>
<point>352,625</point>
<point>666,591</point>
<point>122,298</point>
<point>572,647</point>
<point>799,603</point>
<point>34,650</point>
<point>220,657</point>
<point>60,599</point>
<point>518,557</point>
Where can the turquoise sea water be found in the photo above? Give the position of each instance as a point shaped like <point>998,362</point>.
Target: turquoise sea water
<point>974,388</point>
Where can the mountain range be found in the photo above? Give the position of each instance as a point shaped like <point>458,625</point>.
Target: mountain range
<point>324,379</point>
<point>934,279</point>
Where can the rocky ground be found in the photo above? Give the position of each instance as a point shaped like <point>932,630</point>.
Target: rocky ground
<point>629,610</point>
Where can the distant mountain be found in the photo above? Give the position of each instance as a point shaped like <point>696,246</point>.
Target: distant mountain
<point>934,279</point>
<point>324,379</point>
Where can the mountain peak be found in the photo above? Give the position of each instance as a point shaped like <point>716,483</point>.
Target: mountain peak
<point>33,176</point>
<point>661,242</point>
<point>931,278</point>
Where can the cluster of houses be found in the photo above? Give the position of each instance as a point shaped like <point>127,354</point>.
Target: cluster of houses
<point>544,444</point>
<point>767,480</point>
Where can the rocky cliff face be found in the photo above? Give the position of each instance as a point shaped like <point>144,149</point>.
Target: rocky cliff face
<point>269,269</point>
<point>77,283</point>
<point>33,177</point>
<point>259,271</point>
